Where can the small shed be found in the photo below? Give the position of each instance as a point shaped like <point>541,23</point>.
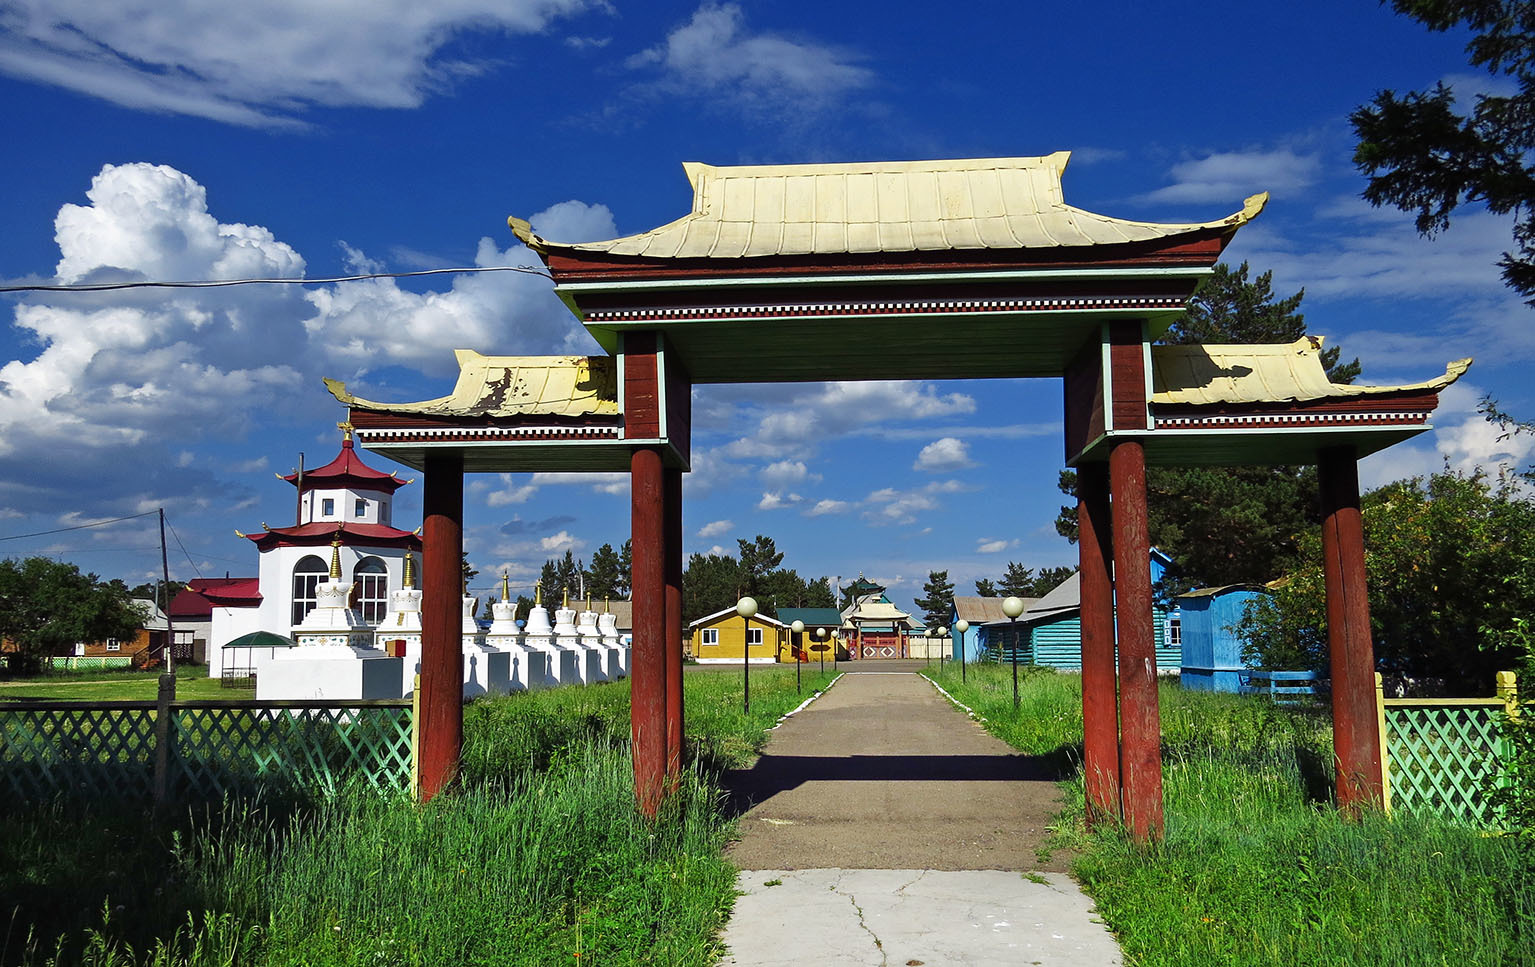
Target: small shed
<point>721,637</point>
<point>815,619</point>
<point>1212,649</point>
<point>977,611</point>
<point>1055,625</point>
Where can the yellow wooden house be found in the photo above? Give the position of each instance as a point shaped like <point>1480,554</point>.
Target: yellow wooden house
<point>721,637</point>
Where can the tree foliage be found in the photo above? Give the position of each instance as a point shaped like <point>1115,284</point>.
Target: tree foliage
<point>714,582</point>
<point>1428,153</point>
<point>47,607</point>
<point>605,577</point>
<point>1446,557</point>
<point>1228,525</point>
<point>937,598</point>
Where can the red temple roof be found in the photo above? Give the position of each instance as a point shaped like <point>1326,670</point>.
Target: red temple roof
<point>321,533</point>
<point>347,470</point>
<point>215,593</point>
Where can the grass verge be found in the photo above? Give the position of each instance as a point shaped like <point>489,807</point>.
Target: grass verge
<point>1257,868</point>
<point>538,858</point>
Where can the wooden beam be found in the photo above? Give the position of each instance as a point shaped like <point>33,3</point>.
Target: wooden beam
<point>672,500</point>
<point>1140,723</point>
<point>1100,703</point>
<point>647,672</point>
<point>1355,729</point>
<point>442,652</point>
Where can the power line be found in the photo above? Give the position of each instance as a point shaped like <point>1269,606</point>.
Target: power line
<point>220,283</point>
<point>184,549</point>
<point>99,523</point>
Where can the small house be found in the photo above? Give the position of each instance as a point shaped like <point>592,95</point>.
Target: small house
<point>724,636</point>
<point>810,645</point>
<point>1212,648</point>
<point>1055,625</point>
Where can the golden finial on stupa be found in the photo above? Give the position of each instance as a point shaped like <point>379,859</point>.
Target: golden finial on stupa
<point>538,594</point>
<point>506,591</point>
<point>588,599</point>
<point>335,558</point>
<point>410,570</point>
<point>566,602</point>
<point>607,605</point>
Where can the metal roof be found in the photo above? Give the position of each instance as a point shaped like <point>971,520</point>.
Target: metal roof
<point>811,616</point>
<point>508,386</point>
<point>1203,374</point>
<point>752,211</point>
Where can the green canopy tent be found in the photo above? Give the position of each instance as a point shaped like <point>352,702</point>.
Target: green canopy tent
<point>242,674</point>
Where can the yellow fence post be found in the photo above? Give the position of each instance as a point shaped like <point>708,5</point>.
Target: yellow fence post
<point>1385,746</point>
<point>415,739</point>
<point>1508,691</point>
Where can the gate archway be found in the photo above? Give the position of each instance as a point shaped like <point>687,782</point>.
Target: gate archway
<point>954,269</point>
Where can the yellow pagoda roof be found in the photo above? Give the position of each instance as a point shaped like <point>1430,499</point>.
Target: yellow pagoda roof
<point>1270,373</point>
<point>753,211</point>
<point>506,386</point>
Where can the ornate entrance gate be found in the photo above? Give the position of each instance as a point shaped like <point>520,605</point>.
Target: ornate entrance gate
<point>955,269</point>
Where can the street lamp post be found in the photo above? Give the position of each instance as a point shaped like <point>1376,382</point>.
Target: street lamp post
<point>1013,607</point>
<point>835,635</point>
<point>961,626</point>
<point>943,632</point>
<point>798,627</point>
<point>821,651</point>
<point>746,607</point>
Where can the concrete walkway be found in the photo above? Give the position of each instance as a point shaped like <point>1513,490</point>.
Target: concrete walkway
<point>882,826</point>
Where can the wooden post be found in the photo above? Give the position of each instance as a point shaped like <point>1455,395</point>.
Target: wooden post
<point>673,553</point>
<point>1140,764</point>
<point>1355,732</point>
<point>442,652</point>
<point>1100,703</point>
<point>165,738</point>
<point>1385,749</point>
<point>647,674</point>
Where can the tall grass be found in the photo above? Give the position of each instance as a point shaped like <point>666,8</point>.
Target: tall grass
<point>538,857</point>
<point>1257,867</point>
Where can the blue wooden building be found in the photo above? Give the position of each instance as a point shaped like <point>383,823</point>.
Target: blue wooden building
<point>1212,649</point>
<point>1055,626</point>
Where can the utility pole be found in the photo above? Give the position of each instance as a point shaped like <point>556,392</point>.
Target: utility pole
<point>170,631</point>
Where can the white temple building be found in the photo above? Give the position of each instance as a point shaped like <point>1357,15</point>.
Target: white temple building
<point>345,503</point>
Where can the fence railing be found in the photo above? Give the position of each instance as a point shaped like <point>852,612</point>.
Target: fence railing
<point>1280,686</point>
<point>172,751</point>
<point>1438,755</point>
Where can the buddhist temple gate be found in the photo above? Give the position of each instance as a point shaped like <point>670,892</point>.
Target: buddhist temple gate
<point>955,269</point>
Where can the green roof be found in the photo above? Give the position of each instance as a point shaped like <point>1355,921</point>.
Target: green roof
<point>811,616</point>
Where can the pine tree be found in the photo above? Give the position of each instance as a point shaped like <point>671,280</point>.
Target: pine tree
<point>986,588</point>
<point>1017,581</point>
<point>937,599</point>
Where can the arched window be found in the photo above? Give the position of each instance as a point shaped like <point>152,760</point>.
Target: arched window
<point>307,575</point>
<point>370,583</point>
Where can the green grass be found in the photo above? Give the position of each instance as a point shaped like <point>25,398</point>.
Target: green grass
<point>538,858</point>
<point>1257,867</point>
<point>94,685</point>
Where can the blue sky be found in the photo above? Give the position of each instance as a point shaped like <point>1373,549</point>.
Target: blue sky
<point>192,140</point>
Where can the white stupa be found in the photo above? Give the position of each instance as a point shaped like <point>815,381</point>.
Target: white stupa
<point>529,667</point>
<point>568,637</point>
<point>335,657</point>
<point>564,668</point>
<point>607,623</point>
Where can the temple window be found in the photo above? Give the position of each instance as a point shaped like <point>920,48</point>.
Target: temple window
<point>371,581</point>
<point>362,508</point>
<point>328,507</point>
<point>307,575</point>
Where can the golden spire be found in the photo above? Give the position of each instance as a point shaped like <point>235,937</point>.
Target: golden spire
<point>506,592</point>
<point>566,602</point>
<point>335,558</point>
<point>538,594</point>
<point>345,426</point>
<point>410,569</point>
<point>607,605</point>
<point>588,599</point>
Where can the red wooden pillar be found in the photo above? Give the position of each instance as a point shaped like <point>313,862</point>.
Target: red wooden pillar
<point>647,673</point>
<point>1355,729</point>
<point>1140,724</point>
<point>1100,704</point>
<point>442,653</point>
<point>673,554</point>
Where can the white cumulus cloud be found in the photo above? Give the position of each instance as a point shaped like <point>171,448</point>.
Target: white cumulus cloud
<point>943,455</point>
<point>715,528</point>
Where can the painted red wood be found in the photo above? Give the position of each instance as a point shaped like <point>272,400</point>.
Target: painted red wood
<point>1083,387</point>
<point>1140,727</point>
<point>1406,401</point>
<point>672,500</point>
<point>679,407</point>
<point>1127,380</point>
<point>442,653</point>
<point>1100,703</point>
<point>647,671</point>
<point>1355,727</point>
<point>1194,248</point>
<point>641,390</point>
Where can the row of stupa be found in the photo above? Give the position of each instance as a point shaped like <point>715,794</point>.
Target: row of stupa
<point>340,657</point>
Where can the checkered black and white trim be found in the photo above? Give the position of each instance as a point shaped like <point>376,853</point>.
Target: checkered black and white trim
<point>922,307</point>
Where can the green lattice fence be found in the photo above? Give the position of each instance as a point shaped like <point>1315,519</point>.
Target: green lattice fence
<point>213,749</point>
<point>1441,754</point>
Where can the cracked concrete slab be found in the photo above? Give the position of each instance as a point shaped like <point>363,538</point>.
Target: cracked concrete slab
<point>910,918</point>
